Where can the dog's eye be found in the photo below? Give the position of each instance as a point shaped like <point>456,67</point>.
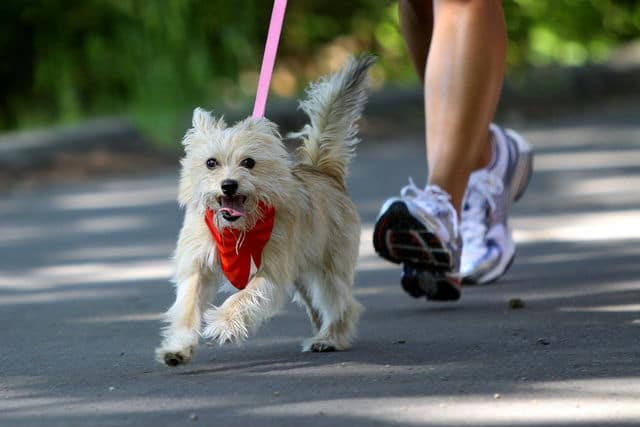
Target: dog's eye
<point>248,163</point>
<point>212,163</point>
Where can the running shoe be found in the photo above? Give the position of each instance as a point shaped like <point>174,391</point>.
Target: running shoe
<point>488,248</point>
<point>420,231</point>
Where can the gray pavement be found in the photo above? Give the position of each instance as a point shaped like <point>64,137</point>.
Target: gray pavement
<point>83,280</point>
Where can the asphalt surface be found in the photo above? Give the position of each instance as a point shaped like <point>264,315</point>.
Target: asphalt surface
<point>84,273</point>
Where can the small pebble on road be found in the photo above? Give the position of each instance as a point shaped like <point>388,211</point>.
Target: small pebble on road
<point>516,303</point>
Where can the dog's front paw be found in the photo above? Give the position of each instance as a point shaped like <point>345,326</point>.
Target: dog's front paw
<point>178,347</point>
<point>174,357</point>
<point>224,326</point>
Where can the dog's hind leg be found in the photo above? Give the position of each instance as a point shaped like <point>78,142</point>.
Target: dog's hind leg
<point>303,297</point>
<point>184,319</point>
<point>332,298</point>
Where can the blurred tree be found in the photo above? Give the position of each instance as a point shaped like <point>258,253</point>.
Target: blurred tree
<point>64,60</point>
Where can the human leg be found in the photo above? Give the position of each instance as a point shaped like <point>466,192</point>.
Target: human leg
<point>463,79</point>
<point>462,87</point>
<point>458,48</point>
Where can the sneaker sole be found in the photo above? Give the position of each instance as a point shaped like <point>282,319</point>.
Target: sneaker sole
<point>402,239</point>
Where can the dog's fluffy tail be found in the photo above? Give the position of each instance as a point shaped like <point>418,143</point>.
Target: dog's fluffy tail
<point>334,105</point>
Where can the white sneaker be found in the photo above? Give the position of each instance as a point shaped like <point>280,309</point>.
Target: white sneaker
<point>488,248</point>
<point>420,231</point>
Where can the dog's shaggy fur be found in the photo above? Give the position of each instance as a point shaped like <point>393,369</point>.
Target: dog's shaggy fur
<point>316,234</point>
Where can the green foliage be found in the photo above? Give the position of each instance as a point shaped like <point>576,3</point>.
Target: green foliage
<point>65,60</point>
<point>568,32</point>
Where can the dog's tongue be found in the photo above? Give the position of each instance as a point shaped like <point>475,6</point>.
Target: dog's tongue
<point>233,206</point>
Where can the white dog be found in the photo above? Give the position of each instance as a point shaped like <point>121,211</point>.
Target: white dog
<point>263,222</point>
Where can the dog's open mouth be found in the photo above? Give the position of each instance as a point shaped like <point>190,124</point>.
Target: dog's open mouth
<point>232,208</point>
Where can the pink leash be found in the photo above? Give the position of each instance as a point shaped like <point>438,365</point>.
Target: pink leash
<point>269,59</point>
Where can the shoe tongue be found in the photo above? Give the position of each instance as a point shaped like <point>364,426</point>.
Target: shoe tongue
<point>234,206</point>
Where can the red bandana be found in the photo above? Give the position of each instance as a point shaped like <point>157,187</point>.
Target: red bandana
<point>237,265</point>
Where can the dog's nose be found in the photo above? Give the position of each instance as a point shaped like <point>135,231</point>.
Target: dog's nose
<point>229,187</point>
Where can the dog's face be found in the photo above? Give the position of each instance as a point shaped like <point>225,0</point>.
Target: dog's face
<point>231,169</point>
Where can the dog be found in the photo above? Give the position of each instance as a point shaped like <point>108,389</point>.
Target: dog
<point>262,221</point>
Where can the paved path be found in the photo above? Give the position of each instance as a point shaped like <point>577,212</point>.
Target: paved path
<point>83,280</point>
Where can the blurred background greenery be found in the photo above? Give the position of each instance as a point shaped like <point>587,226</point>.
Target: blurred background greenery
<point>68,60</point>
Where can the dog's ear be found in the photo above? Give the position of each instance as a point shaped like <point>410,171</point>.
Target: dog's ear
<point>202,123</point>
<point>202,120</point>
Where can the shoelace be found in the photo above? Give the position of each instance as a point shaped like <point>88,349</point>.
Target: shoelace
<point>433,200</point>
<point>483,185</point>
